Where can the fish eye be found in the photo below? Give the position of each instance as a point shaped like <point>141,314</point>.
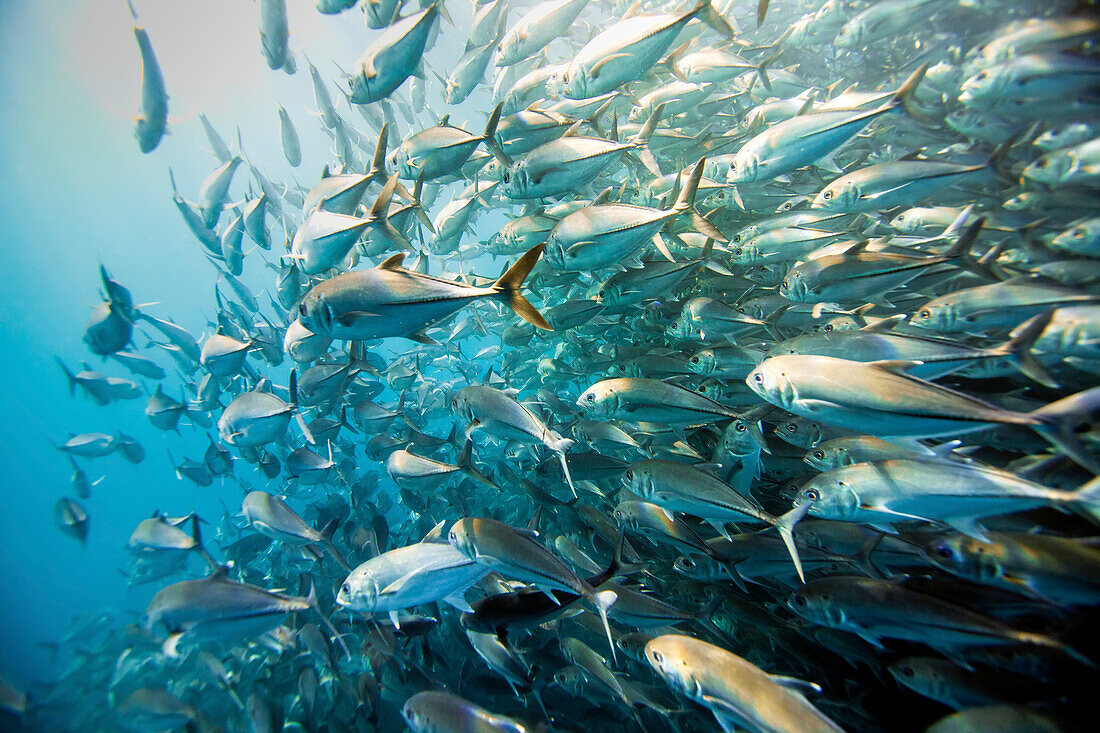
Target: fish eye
<point>741,427</point>
<point>657,657</point>
<point>591,397</point>
<point>983,75</point>
<point>943,550</point>
<point>738,252</point>
<point>506,177</point>
<point>629,475</point>
<point>791,427</point>
<point>759,378</point>
<point>812,494</point>
<point>907,672</point>
<point>1042,163</point>
<point>827,195</point>
<point>1078,233</point>
<point>346,588</point>
<point>798,600</point>
<point>695,360</point>
<point>688,562</point>
<point>925,314</point>
<point>819,454</point>
<point>828,328</point>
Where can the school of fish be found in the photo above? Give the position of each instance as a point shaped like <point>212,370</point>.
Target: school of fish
<point>780,414</point>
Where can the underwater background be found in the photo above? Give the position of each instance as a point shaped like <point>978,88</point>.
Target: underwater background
<point>76,193</point>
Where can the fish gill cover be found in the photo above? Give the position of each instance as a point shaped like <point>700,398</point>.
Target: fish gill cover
<point>540,366</point>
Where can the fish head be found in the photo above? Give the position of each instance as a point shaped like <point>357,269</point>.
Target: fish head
<point>703,362</point>
<point>681,328</point>
<point>599,401</point>
<point>740,438</point>
<point>986,84</point>
<point>359,591</point>
<point>920,676</point>
<point>744,254</point>
<point>769,380</point>
<point>743,168</point>
<point>906,222</point>
<point>825,457</point>
<point>462,539</point>
<point>818,605</point>
<point>1064,136</point>
<point>840,195</point>
<point>147,133</point>
<point>830,496</point>
<point>315,314</point>
<point>572,84</point>
<point>610,294</point>
<point>935,315</point>
<point>794,286</point>
<point>950,553</point>
<point>516,180</point>
<point>1051,168</point>
<point>1085,235</point>
<point>451,91</point>
<point>508,50</point>
<point>850,34</point>
<point>692,567</point>
<point>666,656</point>
<point>359,87</point>
<point>799,433</point>
<point>556,255</point>
<point>639,479</point>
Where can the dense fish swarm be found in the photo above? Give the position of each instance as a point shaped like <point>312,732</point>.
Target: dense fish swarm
<point>781,417</point>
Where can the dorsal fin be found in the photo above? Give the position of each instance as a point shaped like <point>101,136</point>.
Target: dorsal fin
<point>393,262</point>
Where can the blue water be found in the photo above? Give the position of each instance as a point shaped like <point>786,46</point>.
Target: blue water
<point>76,192</point>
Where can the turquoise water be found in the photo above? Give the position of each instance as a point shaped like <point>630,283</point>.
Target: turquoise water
<point>77,193</point>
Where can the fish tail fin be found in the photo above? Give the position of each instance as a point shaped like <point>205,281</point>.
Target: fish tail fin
<point>761,12</point>
<point>1051,642</point>
<point>1056,423</point>
<point>311,600</point>
<point>905,92</point>
<point>762,70</point>
<point>378,162</point>
<point>1018,349</point>
<point>417,205</point>
<point>306,433</point>
<point>705,12</point>
<point>494,120</point>
<point>563,445</point>
<point>641,142</point>
<point>602,600</point>
<point>1087,496</point>
<point>196,535</point>
<point>508,285</point>
<point>68,374</point>
<point>385,197</point>
<point>685,204</point>
<point>344,420</point>
<point>327,533</point>
<point>785,526</point>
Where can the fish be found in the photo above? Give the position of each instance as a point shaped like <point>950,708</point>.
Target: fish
<point>217,607</point>
<point>797,415</point>
<point>390,300</point>
<point>735,691</point>
<point>392,57</point>
<point>151,124</point>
